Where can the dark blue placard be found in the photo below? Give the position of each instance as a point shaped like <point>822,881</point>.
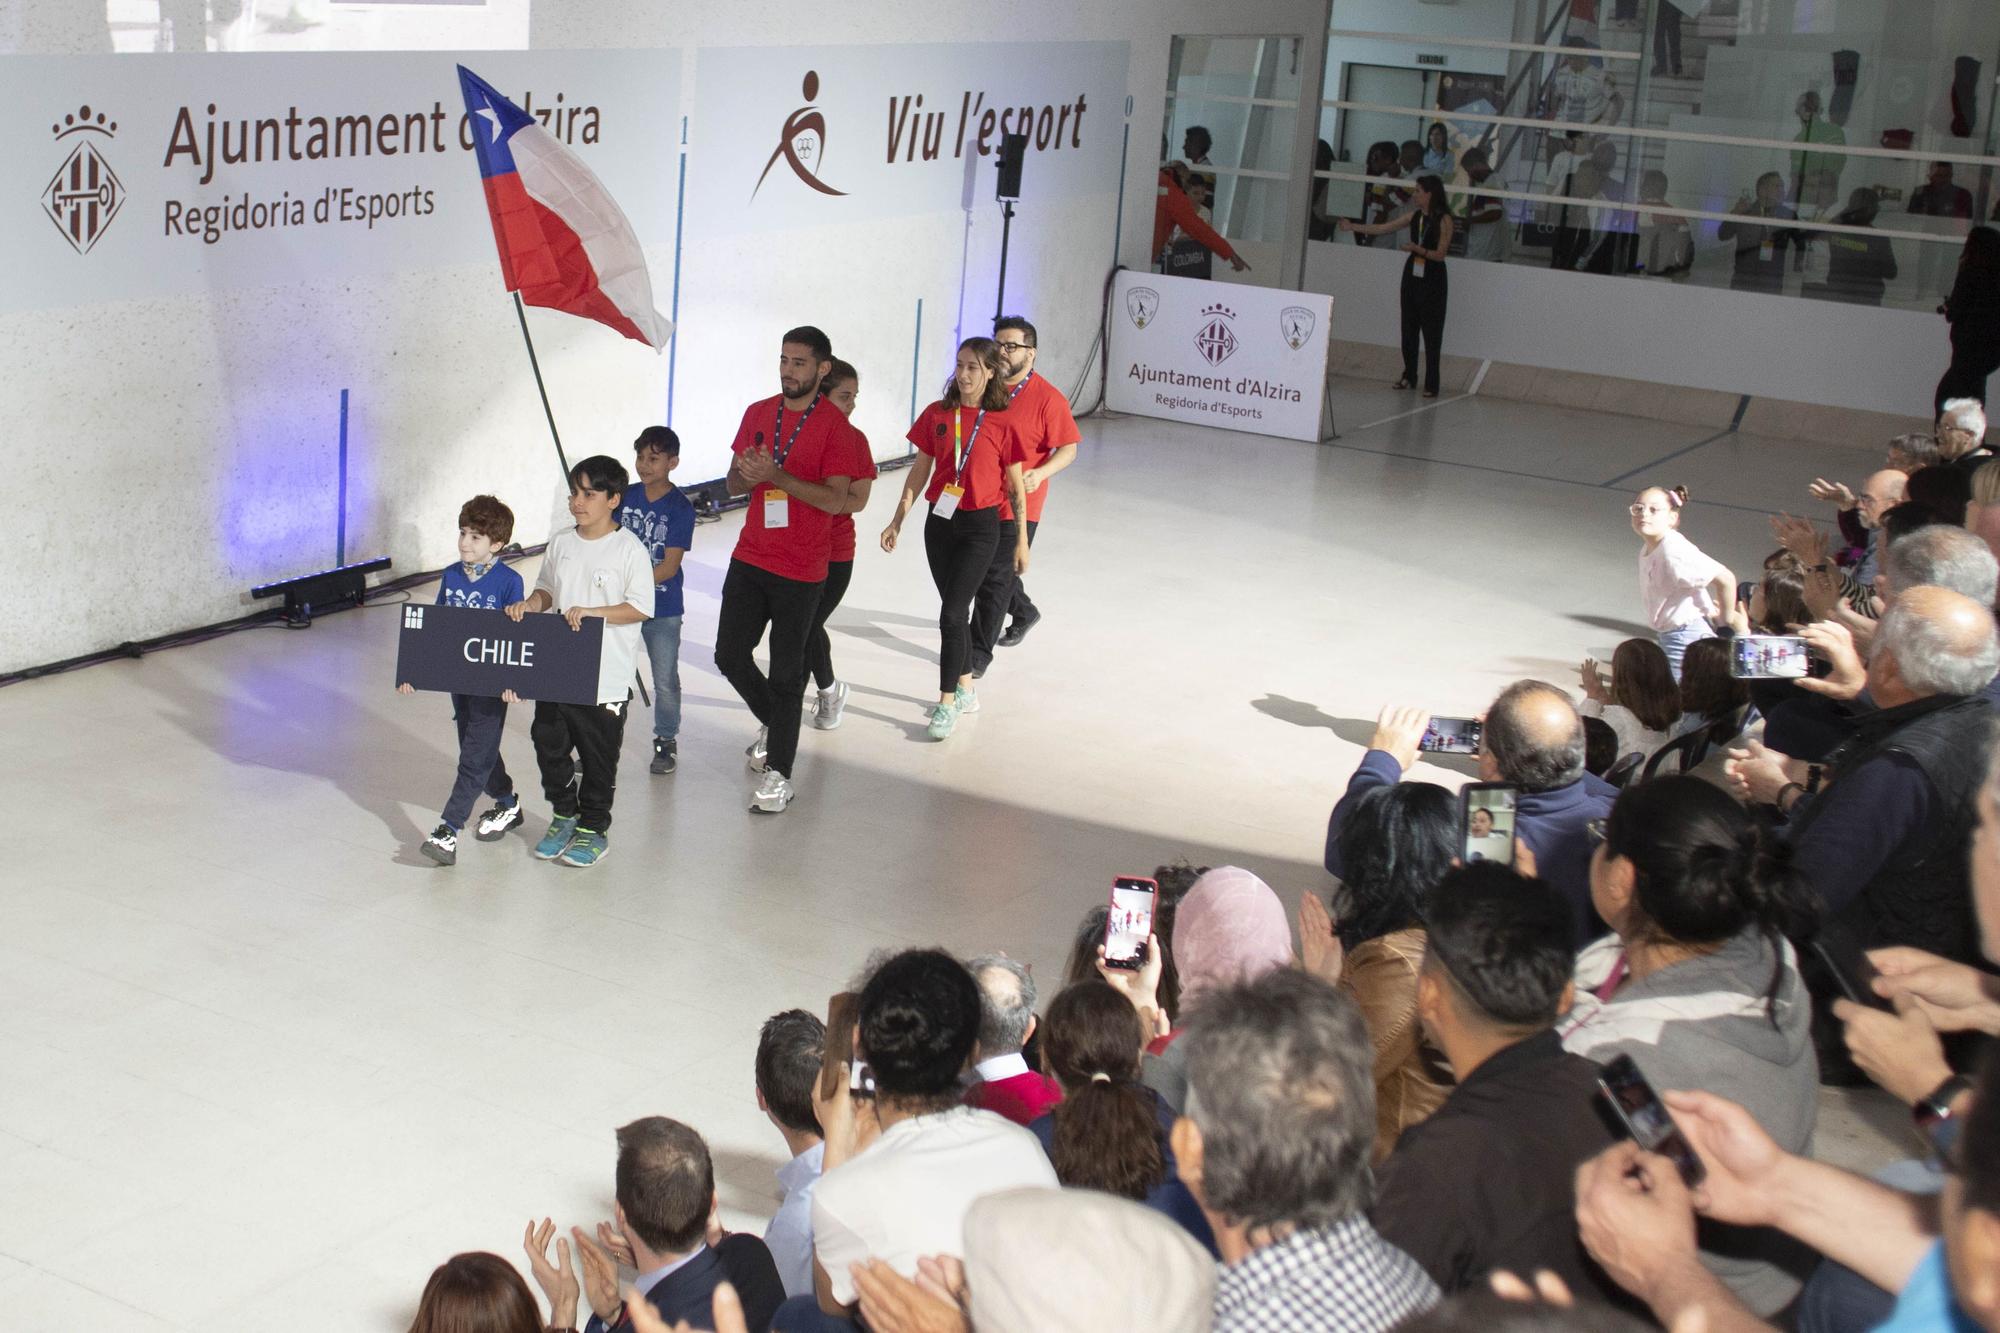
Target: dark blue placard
<point>463,651</point>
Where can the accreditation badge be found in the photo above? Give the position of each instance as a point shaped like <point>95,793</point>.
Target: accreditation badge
<point>947,501</point>
<point>777,509</point>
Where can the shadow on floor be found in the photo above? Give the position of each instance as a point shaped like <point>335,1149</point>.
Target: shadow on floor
<point>1353,730</point>
<point>1630,629</point>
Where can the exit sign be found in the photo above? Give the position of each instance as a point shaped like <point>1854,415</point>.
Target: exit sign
<point>1430,60</point>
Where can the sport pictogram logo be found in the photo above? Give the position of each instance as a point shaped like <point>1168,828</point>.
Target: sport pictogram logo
<point>1216,338</point>
<point>413,617</point>
<point>1295,322</point>
<point>802,143</point>
<point>1141,304</point>
<point>86,194</point>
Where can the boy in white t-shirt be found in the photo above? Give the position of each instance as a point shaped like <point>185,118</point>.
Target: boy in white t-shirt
<point>598,569</point>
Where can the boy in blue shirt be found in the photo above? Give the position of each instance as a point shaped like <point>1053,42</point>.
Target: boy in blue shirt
<point>661,516</point>
<point>481,582</point>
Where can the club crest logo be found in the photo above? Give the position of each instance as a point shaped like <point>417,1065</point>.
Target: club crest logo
<point>86,193</point>
<point>1216,338</point>
<point>802,142</point>
<point>1141,304</point>
<point>413,617</point>
<point>1295,322</point>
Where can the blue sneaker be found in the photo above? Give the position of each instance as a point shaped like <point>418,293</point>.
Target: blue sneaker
<point>587,848</point>
<point>943,718</point>
<point>561,829</point>
<point>965,701</point>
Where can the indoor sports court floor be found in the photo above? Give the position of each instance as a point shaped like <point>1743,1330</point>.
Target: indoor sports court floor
<point>263,1063</point>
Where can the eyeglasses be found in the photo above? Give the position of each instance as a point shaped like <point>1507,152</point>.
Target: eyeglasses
<point>1595,830</point>
<point>1014,347</point>
<point>1640,511</point>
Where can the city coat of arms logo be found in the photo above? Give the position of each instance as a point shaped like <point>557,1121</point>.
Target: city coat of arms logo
<point>1216,338</point>
<point>85,195</point>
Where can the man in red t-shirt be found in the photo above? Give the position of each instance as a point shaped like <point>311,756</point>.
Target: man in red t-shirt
<point>1040,418</point>
<point>795,459</point>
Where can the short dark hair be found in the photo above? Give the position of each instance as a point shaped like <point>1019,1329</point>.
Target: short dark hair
<point>1901,520</point>
<point>1201,133</point>
<point>1020,326</point>
<point>485,515</point>
<point>1522,761</point>
<point>812,339</point>
<point>1600,746</point>
<point>1503,941</point>
<point>1483,1312</point>
<point>661,438</point>
<point>919,1016</point>
<point>789,1049</point>
<point>600,472</point>
<point>839,373</point>
<point>1395,844</point>
<point>665,1182</point>
<point>1281,1084</point>
<point>1945,491</point>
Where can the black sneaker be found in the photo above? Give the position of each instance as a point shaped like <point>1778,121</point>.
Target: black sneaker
<point>663,756</point>
<point>493,825</point>
<point>442,845</point>
<point>1018,629</point>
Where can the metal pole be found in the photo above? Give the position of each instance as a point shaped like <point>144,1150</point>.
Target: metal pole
<point>1006,224</point>
<point>521,313</point>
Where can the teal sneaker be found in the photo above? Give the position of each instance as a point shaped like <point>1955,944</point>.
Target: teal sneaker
<point>587,848</point>
<point>561,829</point>
<point>943,718</point>
<point>965,701</point>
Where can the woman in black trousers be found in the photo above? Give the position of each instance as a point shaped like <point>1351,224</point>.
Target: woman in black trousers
<point>1424,289</point>
<point>1973,309</point>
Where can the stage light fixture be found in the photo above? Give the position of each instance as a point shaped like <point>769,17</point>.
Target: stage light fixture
<point>325,591</point>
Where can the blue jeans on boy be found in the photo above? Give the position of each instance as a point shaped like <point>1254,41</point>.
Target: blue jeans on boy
<point>481,722</point>
<point>1674,642</point>
<point>663,646</point>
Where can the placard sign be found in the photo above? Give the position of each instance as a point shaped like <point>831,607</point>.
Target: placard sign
<point>1219,354</point>
<point>463,651</point>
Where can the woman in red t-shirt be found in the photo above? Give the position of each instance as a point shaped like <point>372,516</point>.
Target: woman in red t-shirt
<point>972,460</point>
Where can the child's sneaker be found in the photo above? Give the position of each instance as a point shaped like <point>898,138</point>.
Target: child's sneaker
<point>943,718</point>
<point>561,829</point>
<point>831,706</point>
<point>759,753</point>
<point>442,845</point>
<point>965,701</point>
<point>503,816</point>
<point>774,793</point>
<point>663,756</point>
<point>587,848</point>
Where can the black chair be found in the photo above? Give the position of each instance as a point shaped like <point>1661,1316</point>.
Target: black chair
<point>1621,772</point>
<point>1684,752</point>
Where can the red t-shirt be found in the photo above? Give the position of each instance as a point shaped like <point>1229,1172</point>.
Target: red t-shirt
<point>843,524</point>
<point>821,449</point>
<point>1040,416</point>
<point>987,456</point>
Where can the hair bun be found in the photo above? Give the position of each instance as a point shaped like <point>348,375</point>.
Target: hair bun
<point>1677,495</point>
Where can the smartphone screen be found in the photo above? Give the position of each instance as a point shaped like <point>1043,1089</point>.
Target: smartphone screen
<point>1486,822</point>
<point>1451,735</point>
<point>1852,972</point>
<point>1767,657</point>
<point>1130,922</point>
<point>1646,1119</point>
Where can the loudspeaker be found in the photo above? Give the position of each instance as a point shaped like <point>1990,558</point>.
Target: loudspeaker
<point>1013,148</point>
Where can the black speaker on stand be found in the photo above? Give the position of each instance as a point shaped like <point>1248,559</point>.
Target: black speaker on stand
<point>1013,150</point>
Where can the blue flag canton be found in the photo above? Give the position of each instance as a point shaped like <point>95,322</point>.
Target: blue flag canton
<point>494,120</point>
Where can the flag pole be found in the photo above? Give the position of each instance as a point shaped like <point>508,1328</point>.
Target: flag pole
<point>521,313</point>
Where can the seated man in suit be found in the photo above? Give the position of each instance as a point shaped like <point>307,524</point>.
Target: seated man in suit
<point>1006,1020</point>
<point>666,1196</point>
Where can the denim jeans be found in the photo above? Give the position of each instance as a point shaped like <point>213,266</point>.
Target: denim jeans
<point>1674,642</point>
<point>663,646</point>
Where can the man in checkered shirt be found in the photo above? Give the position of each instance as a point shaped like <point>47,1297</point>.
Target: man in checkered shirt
<point>1275,1145</point>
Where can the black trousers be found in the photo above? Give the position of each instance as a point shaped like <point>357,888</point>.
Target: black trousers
<point>586,737</point>
<point>1966,378</point>
<point>1423,313</point>
<point>819,648</point>
<point>1667,36</point>
<point>753,600</point>
<point>481,722</point>
<point>1000,595</point>
<point>960,550</point>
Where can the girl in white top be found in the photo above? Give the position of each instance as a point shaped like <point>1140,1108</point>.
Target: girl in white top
<point>1683,589</point>
<point>1641,702</point>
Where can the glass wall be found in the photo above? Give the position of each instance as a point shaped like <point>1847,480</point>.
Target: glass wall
<point>1827,149</point>
<point>1231,117</point>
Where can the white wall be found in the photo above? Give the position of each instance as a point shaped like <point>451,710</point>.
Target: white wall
<point>162,455</point>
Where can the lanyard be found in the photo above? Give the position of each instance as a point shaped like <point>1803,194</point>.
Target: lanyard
<point>778,428</point>
<point>1015,392</point>
<point>959,452</point>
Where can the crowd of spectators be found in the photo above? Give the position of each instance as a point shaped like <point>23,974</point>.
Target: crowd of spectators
<point>1387,1109</point>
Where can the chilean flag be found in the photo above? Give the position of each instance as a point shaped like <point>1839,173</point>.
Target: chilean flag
<point>563,241</point>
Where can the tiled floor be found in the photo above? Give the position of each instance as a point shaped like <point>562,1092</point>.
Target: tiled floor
<point>259,1057</point>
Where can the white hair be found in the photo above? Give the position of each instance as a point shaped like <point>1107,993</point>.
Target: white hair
<point>1929,656</point>
<point>1941,556</point>
<point>1966,414</point>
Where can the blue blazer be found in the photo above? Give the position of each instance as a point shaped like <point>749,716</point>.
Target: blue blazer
<point>686,1293</point>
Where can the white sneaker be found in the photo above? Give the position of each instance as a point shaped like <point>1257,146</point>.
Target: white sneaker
<point>759,752</point>
<point>774,793</point>
<point>832,704</point>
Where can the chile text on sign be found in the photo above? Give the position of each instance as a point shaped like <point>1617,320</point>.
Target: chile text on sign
<point>463,651</point>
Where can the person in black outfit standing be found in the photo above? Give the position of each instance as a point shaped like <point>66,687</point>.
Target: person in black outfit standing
<point>1973,310</point>
<point>1424,290</point>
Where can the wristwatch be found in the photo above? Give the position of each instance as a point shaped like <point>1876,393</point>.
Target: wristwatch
<point>1933,1114</point>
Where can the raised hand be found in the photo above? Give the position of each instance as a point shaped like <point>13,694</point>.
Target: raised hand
<point>556,1279</point>
<point>1319,944</point>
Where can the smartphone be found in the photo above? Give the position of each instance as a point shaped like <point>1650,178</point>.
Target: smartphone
<point>1768,657</point>
<point>1848,964</point>
<point>1130,921</point>
<point>1632,1099</point>
<point>842,1012</point>
<point>1451,735</point>
<point>1486,822</point>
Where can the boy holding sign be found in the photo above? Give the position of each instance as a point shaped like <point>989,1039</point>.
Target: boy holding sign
<point>480,582</point>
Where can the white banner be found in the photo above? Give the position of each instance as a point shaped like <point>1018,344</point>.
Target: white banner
<point>812,136</point>
<point>1219,354</point>
<point>165,175</point>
